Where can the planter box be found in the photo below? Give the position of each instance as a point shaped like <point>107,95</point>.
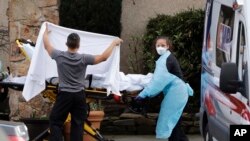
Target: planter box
<point>95,118</point>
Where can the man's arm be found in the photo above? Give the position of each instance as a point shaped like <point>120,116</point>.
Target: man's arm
<point>104,56</point>
<point>46,42</point>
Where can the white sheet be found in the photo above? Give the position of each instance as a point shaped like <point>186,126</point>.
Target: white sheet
<point>129,82</point>
<point>43,67</point>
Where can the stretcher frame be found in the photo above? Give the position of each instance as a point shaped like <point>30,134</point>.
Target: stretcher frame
<point>92,94</point>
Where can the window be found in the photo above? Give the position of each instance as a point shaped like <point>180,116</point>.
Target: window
<point>242,58</point>
<point>241,46</point>
<point>224,35</point>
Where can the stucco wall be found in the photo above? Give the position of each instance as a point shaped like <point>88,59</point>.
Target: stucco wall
<point>136,14</point>
<point>3,11</point>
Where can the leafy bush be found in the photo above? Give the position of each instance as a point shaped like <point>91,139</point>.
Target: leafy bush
<point>92,15</point>
<point>185,29</point>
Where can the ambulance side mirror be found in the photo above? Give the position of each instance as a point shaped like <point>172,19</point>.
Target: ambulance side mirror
<point>229,79</point>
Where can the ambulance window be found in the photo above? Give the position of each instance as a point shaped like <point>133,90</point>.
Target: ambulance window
<point>242,59</point>
<point>241,44</point>
<point>224,35</point>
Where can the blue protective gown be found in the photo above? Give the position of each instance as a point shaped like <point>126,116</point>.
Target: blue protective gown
<point>176,93</point>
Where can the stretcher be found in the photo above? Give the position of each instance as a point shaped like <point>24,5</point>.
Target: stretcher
<point>50,93</point>
<point>130,85</point>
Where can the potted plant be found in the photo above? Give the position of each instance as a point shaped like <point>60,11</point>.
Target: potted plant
<point>95,117</point>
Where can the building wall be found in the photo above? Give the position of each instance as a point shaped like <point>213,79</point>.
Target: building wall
<point>137,13</point>
<point>135,16</point>
<point>3,11</point>
<point>4,36</point>
<point>24,20</point>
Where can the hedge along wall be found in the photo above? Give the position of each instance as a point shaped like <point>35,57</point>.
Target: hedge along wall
<point>92,15</point>
<point>185,29</point>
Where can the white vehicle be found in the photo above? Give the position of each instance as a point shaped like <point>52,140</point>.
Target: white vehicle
<point>225,57</point>
<point>13,131</point>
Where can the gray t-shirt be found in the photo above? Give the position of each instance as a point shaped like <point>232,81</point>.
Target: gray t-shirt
<point>71,69</point>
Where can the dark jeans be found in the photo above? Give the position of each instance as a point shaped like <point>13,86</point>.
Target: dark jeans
<point>68,102</point>
<point>177,133</point>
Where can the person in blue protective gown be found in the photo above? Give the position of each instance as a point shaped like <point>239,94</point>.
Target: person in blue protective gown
<point>167,78</point>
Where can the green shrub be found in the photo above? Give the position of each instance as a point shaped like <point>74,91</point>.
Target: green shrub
<point>92,15</point>
<point>186,31</point>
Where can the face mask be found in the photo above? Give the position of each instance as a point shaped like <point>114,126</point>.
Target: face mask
<point>161,50</point>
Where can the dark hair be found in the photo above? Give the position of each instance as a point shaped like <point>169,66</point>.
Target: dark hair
<point>73,41</point>
<point>168,41</point>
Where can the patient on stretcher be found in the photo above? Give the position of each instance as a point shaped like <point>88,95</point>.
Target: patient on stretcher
<point>44,70</point>
<point>129,82</point>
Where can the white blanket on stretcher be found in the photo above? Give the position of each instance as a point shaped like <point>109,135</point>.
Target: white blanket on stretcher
<point>43,67</point>
<point>129,82</point>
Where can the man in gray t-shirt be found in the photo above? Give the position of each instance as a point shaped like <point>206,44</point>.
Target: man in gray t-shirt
<point>71,68</point>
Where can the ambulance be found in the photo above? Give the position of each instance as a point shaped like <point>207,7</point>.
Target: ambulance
<point>225,64</point>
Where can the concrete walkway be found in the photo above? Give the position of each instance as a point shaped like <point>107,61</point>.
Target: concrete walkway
<point>146,137</point>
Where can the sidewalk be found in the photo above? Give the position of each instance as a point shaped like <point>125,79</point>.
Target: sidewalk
<point>195,137</point>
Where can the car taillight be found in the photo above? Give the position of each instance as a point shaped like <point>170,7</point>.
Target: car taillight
<point>15,138</point>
